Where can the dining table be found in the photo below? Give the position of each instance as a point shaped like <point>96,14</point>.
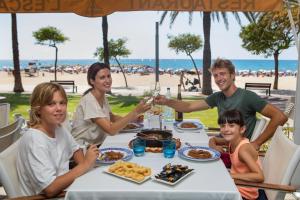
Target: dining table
<point>209,179</point>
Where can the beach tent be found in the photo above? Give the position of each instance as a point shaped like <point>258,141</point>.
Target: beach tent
<point>95,8</point>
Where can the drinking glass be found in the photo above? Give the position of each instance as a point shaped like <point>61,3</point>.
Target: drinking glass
<point>138,146</point>
<point>169,148</point>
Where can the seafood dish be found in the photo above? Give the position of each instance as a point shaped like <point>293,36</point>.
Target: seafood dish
<point>154,138</point>
<point>199,153</point>
<point>188,125</point>
<point>172,173</point>
<point>112,155</point>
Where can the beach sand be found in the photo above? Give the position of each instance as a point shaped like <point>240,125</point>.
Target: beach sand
<point>138,84</point>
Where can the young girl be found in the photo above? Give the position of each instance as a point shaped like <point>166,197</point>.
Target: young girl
<point>245,164</point>
<point>93,119</point>
<point>46,147</point>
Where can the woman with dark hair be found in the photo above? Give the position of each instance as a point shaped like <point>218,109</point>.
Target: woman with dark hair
<point>46,147</point>
<point>93,119</point>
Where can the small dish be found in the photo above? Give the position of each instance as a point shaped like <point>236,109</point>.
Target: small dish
<point>183,153</point>
<point>127,154</point>
<point>129,171</point>
<point>137,127</point>
<point>195,125</point>
<point>125,178</point>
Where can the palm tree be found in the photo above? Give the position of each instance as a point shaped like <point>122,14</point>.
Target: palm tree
<point>18,87</point>
<point>105,40</point>
<point>207,89</point>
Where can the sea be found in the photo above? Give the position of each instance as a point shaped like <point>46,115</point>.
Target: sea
<point>175,64</point>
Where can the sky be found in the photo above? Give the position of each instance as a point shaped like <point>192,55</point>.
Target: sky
<point>138,28</point>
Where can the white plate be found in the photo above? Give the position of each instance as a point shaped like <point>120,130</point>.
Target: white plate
<point>128,154</point>
<point>170,183</point>
<point>183,153</point>
<point>139,127</point>
<point>123,177</point>
<point>178,125</point>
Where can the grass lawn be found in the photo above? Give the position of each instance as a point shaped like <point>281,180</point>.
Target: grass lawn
<point>19,103</point>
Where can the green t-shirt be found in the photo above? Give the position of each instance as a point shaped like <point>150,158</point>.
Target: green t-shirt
<point>247,102</point>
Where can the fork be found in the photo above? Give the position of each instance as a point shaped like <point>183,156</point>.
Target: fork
<point>189,145</point>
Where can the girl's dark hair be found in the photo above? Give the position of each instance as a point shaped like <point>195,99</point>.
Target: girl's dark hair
<point>231,116</point>
<point>92,72</point>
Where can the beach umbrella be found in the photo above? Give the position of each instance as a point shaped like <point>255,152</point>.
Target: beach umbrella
<point>94,8</point>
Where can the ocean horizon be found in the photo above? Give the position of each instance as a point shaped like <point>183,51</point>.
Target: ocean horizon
<point>240,64</point>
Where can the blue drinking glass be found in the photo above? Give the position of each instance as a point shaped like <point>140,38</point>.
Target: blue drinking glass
<point>138,146</point>
<point>169,148</point>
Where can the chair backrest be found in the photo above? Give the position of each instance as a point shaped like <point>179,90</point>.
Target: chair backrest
<point>10,133</point>
<point>4,114</point>
<point>281,163</point>
<point>8,171</point>
<point>290,110</point>
<point>261,124</point>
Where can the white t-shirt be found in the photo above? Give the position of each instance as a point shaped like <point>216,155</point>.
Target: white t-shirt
<point>41,159</point>
<point>84,129</point>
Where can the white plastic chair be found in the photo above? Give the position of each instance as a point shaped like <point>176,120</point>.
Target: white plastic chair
<point>10,133</point>
<point>8,171</point>
<point>261,124</point>
<point>280,167</point>
<point>4,114</point>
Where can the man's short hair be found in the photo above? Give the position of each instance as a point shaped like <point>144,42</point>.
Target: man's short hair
<point>223,63</point>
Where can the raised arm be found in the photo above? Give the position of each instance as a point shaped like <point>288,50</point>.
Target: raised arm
<point>112,127</point>
<point>182,106</point>
<point>277,118</point>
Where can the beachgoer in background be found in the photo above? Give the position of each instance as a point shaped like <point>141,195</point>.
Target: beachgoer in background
<point>93,119</point>
<point>46,147</point>
<point>245,165</point>
<point>182,81</point>
<point>232,97</point>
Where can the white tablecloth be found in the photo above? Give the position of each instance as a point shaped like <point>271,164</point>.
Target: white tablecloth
<point>210,180</point>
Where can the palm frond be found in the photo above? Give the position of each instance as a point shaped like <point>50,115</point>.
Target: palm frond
<point>173,16</point>
<point>163,16</point>
<point>225,19</point>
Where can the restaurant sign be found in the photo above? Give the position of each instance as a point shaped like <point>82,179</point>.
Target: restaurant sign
<point>104,7</point>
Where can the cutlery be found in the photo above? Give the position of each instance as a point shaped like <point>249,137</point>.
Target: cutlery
<point>189,145</point>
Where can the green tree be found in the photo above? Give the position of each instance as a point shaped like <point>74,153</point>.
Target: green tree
<point>270,35</point>
<point>50,36</point>
<point>116,49</point>
<point>207,89</point>
<point>186,43</point>
<point>18,87</point>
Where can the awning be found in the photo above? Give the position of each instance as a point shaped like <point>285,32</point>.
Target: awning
<point>94,8</point>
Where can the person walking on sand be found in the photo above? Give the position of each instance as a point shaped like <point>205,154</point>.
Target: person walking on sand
<point>245,165</point>
<point>182,81</point>
<point>46,147</point>
<point>232,97</point>
<point>93,119</point>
